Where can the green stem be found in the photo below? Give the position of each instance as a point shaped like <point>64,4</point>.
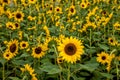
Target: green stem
<point>113,31</point>
<point>3,74</point>
<point>58,64</point>
<point>104,32</point>
<point>90,37</point>
<point>117,71</point>
<point>55,50</point>
<point>24,78</point>
<point>68,76</point>
<point>90,41</point>
<point>60,76</point>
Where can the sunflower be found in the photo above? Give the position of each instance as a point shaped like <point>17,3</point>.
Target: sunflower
<point>83,5</point>
<point>5,2</point>
<point>39,51</point>
<point>116,26</point>
<point>1,10</point>
<point>59,60</point>
<point>18,16</point>
<point>13,47</point>
<point>32,1</point>
<point>10,25</point>
<point>72,10</point>
<point>34,78</point>
<point>104,13</point>
<point>23,45</point>
<point>112,41</point>
<point>103,57</point>
<point>20,34</point>
<point>71,49</point>
<point>58,10</point>
<point>9,14</point>
<point>29,69</point>
<point>24,3</point>
<point>17,25</point>
<point>7,55</point>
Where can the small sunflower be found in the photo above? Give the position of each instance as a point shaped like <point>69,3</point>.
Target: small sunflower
<point>30,18</point>
<point>104,13</point>
<point>59,60</point>
<point>112,41</point>
<point>103,57</point>
<point>10,25</point>
<point>30,70</point>
<point>5,2</point>
<point>7,55</point>
<point>72,10</point>
<point>1,10</point>
<point>116,26</point>
<point>20,34</point>
<point>23,45</point>
<point>71,49</point>
<point>58,10</point>
<point>34,78</point>
<point>83,5</point>
<point>18,16</point>
<point>9,14</point>
<point>17,25</point>
<point>39,51</point>
<point>13,47</point>
<point>32,1</point>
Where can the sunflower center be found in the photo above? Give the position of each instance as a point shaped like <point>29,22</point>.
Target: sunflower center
<point>104,12</point>
<point>38,50</point>
<point>16,24</point>
<point>10,26</point>
<point>60,60</point>
<point>18,15</point>
<point>111,40</point>
<point>88,4</point>
<point>82,5</point>
<point>57,9</point>
<point>13,48</point>
<point>72,10</point>
<point>103,57</point>
<point>7,55</point>
<point>70,49</point>
<point>23,45</point>
<point>6,1</point>
<point>51,8</point>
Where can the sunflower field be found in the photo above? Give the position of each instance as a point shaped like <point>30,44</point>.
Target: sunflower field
<point>59,39</point>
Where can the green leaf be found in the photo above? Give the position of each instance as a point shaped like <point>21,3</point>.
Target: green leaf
<point>89,66</point>
<point>92,60</point>
<point>107,75</point>
<point>76,78</point>
<point>2,60</point>
<point>20,62</point>
<point>103,46</point>
<point>50,69</point>
<point>91,50</point>
<point>24,55</point>
<point>14,78</point>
